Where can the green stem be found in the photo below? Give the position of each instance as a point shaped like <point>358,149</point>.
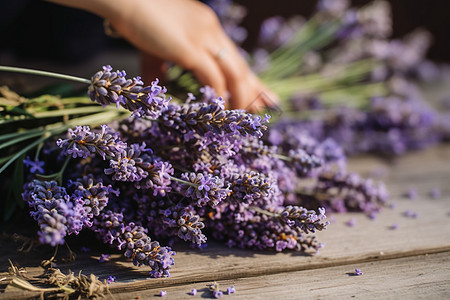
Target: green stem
<point>282,157</point>
<point>44,73</point>
<point>24,150</point>
<point>58,175</point>
<point>183,181</point>
<point>263,211</point>
<point>38,151</point>
<point>20,138</point>
<point>72,111</point>
<point>15,134</point>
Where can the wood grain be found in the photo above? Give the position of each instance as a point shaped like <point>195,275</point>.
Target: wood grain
<point>419,277</point>
<point>368,243</point>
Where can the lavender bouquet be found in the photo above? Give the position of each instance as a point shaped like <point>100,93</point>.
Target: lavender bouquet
<point>210,175</point>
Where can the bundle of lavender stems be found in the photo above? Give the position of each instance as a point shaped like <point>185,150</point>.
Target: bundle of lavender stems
<point>142,171</point>
<point>341,76</point>
<point>186,171</point>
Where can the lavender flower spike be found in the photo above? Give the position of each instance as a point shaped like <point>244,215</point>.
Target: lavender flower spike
<point>135,165</point>
<point>203,189</point>
<point>82,142</point>
<point>203,118</point>
<point>112,87</point>
<point>306,220</point>
<point>93,197</point>
<point>51,207</point>
<point>134,240</point>
<point>190,228</point>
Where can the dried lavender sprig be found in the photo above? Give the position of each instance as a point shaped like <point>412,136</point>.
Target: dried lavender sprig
<point>132,238</point>
<point>112,87</point>
<point>82,142</point>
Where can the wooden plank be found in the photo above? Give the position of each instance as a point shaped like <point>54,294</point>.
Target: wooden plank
<point>418,277</point>
<point>369,240</point>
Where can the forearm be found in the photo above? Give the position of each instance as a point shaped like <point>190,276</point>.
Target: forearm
<point>108,9</point>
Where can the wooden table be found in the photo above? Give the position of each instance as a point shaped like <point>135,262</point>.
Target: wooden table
<point>410,262</point>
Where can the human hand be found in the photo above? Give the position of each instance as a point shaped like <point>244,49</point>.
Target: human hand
<point>189,34</point>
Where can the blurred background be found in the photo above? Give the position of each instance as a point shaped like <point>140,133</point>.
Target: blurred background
<point>408,15</point>
<point>44,35</point>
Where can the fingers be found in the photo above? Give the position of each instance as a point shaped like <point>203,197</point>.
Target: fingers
<point>246,90</point>
<point>208,72</point>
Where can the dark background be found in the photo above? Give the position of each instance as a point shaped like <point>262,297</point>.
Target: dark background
<point>42,30</point>
<point>433,15</point>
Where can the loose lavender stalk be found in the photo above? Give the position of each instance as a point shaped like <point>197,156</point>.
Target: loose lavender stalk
<point>133,239</point>
<point>341,191</point>
<point>294,216</point>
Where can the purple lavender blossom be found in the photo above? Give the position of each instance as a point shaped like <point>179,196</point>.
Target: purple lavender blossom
<point>247,187</point>
<point>411,193</point>
<point>36,166</point>
<point>203,117</point>
<point>111,279</point>
<point>333,7</point>
<point>203,189</point>
<point>231,290</point>
<point>217,294</point>
<point>393,226</point>
<point>410,214</point>
<point>248,229</point>
<point>276,31</point>
<point>208,94</point>
<point>112,87</point>
<point>358,272</point>
<point>135,165</point>
<point>51,207</point>
<point>351,222</point>
<point>343,191</point>
<point>190,228</point>
<point>306,220</point>
<point>304,162</point>
<point>82,142</point>
<point>186,223</point>
<point>104,258</point>
<point>134,240</point>
<point>435,193</point>
<point>93,197</point>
